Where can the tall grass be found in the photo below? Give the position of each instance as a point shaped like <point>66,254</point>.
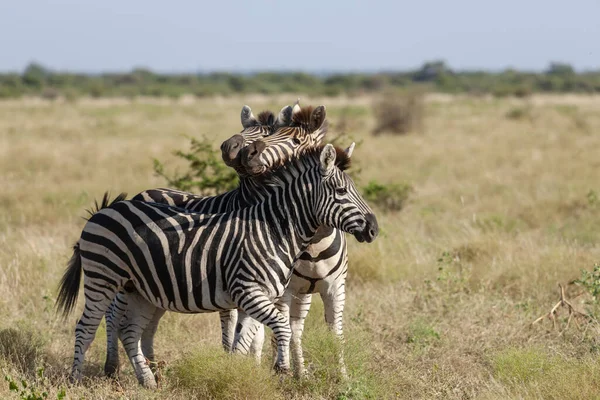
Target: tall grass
<point>439,306</point>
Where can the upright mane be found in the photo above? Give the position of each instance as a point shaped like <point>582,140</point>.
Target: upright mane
<point>266,118</point>
<point>302,117</point>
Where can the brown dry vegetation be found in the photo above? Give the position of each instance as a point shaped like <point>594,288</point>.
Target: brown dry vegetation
<point>439,306</point>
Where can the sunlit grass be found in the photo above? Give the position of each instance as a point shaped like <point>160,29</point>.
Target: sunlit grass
<point>502,209</point>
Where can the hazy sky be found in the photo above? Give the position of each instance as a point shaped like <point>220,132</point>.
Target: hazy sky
<point>84,35</point>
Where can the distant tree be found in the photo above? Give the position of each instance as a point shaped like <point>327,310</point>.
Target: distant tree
<point>561,69</point>
<point>431,71</point>
<point>35,75</point>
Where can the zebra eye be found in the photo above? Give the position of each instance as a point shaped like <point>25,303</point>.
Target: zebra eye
<point>296,141</point>
<point>341,191</point>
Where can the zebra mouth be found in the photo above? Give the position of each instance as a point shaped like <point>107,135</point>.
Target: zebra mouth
<point>258,170</point>
<point>358,236</point>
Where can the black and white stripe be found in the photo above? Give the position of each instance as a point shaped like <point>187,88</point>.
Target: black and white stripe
<point>188,262</point>
<point>322,268</point>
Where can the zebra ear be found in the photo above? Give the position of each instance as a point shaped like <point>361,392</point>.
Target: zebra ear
<point>350,150</point>
<point>284,118</point>
<point>296,109</point>
<point>248,119</point>
<point>317,117</point>
<point>327,159</point>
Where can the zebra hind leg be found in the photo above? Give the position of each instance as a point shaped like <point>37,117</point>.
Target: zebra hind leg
<point>228,323</point>
<point>96,303</point>
<point>148,339</point>
<point>138,317</point>
<point>114,315</point>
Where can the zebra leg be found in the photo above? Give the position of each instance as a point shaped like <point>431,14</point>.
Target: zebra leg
<point>247,331</point>
<point>113,316</point>
<point>138,316</point>
<point>300,304</point>
<point>334,300</point>
<point>148,338</point>
<point>257,344</point>
<point>97,301</point>
<point>228,322</point>
<point>261,308</point>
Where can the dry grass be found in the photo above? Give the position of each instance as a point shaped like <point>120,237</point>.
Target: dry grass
<point>439,306</point>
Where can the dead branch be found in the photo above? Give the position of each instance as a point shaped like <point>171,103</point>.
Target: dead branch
<point>564,303</point>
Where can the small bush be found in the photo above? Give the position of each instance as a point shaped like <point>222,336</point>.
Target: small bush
<point>24,350</point>
<point>399,113</point>
<point>212,374</point>
<point>207,174</point>
<point>519,113</point>
<point>391,197</point>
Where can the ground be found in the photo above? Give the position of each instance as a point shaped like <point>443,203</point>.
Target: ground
<point>504,207</point>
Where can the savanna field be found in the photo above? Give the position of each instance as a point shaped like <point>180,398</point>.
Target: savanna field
<point>504,206</point>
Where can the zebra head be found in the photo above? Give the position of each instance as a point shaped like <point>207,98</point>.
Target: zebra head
<point>253,129</point>
<point>306,131</point>
<point>338,203</point>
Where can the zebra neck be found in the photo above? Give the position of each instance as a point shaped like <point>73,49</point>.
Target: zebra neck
<point>290,218</point>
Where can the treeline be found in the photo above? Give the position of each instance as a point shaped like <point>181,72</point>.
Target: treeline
<point>36,80</point>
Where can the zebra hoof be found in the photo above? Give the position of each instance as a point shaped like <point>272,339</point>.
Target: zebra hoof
<point>282,370</point>
<point>148,383</point>
<point>111,370</point>
<point>301,373</point>
<point>75,378</point>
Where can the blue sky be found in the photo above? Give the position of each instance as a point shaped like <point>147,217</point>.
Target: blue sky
<point>335,35</point>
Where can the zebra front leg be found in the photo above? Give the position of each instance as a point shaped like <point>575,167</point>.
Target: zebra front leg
<point>300,305</point>
<point>228,323</point>
<point>113,317</point>
<point>334,300</point>
<point>262,309</point>
<point>249,336</point>
<point>138,318</point>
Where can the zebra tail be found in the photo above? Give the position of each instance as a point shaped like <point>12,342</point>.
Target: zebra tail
<point>69,284</point>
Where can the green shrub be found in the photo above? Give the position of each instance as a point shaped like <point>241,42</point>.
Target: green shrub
<point>206,175</point>
<point>391,197</point>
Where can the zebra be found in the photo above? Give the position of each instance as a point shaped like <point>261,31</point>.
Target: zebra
<point>308,134</point>
<point>192,263</point>
<point>322,268</point>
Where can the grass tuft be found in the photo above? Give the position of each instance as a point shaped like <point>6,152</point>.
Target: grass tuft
<point>23,350</point>
<point>210,373</point>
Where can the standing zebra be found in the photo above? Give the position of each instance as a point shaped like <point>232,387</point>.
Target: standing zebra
<point>253,128</point>
<point>307,127</point>
<point>188,262</point>
<point>322,267</point>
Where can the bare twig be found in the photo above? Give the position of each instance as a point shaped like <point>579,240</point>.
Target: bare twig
<point>563,302</point>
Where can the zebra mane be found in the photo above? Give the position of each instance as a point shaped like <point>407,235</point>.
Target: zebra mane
<point>266,118</point>
<point>307,158</point>
<point>104,203</point>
